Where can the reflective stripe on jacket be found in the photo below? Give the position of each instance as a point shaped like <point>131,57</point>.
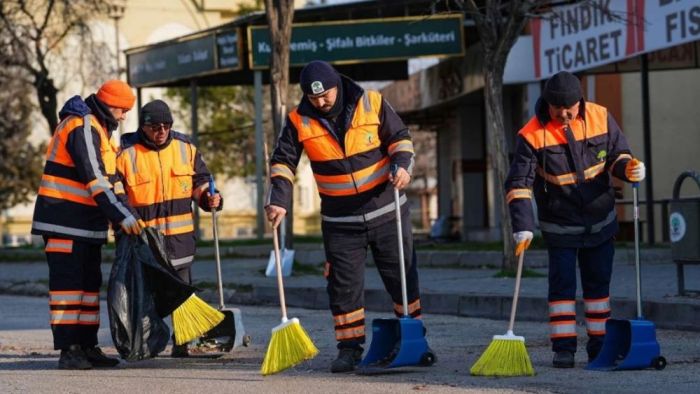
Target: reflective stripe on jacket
<point>76,197</point>
<point>568,170</point>
<point>350,157</point>
<point>160,184</point>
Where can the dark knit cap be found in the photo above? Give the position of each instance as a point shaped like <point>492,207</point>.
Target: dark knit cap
<point>156,112</point>
<point>317,77</point>
<point>563,89</point>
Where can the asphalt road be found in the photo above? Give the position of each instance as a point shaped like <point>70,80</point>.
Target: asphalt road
<point>28,361</point>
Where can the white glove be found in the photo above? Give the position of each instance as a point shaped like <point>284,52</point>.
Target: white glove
<point>635,170</point>
<point>131,226</point>
<point>522,241</point>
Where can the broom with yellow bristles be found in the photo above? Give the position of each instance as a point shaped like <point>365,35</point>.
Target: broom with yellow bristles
<point>192,317</point>
<point>290,344</point>
<point>506,355</point>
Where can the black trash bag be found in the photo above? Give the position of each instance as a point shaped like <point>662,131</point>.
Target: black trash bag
<point>169,291</point>
<point>143,289</point>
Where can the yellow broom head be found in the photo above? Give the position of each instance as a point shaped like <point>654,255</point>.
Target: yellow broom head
<point>289,345</point>
<point>193,319</point>
<point>505,356</point>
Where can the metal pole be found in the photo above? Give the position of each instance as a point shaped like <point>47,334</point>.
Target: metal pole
<point>402,263</point>
<point>215,233</point>
<point>116,45</point>
<point>259,156</point>
<point>637,265</point>
<point>195,131</point>
<point>139,104</point>
<point>119,68</point>
<point>646,127</point>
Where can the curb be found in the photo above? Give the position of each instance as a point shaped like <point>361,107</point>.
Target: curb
<point>681,315</point>
<point>313,254</point>
<point>667,315</point>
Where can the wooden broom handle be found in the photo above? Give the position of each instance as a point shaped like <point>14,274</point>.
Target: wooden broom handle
<point>276,243</point>
<point>518,275</point>
<point>278,266</point>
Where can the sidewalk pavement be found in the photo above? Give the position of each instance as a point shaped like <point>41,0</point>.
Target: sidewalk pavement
<point>453,283</point>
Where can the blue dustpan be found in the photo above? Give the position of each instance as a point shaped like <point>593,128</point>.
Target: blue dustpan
<point>405,332</point>
<point>630,344</point>
<point>397,342</point>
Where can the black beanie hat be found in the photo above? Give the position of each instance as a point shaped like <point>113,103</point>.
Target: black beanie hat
<point>563,89</point>
<point>156,112</point>
<point>317,77</point>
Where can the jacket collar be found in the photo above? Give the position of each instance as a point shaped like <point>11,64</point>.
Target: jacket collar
<point>143,140</point>
<point>101,112</point>
<point>542,111</point>
<point>75,106</point>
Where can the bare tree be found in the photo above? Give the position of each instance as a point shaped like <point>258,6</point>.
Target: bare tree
<point>20,167</point>
<point>34,35</point>
<point>498,24</point>
<point>280,14</point>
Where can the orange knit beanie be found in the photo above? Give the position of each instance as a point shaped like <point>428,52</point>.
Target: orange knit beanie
<point>117,94</point>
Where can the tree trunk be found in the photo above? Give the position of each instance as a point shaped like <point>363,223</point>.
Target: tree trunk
<point>498,33</point>
<point>280,14</point>
<point>496,149</point>
<point>46,95</point>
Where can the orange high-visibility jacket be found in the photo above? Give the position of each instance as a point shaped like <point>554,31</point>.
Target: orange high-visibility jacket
<point>350,158</point>
<point>160,184</point>
<point>569,173</point>
<point>76,196</point>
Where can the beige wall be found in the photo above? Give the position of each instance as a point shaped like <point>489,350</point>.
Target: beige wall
<point>675,127</point>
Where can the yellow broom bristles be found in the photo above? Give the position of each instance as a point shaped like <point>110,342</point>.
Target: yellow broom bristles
<point>289,345</point>
<point>505,356</point>
<point>193,319</point>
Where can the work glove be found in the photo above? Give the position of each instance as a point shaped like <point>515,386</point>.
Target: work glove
<point>522,241</point>
<point>131,226</point>
<point>635,170</point>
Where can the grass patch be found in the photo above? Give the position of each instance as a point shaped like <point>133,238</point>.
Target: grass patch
<point>527,273</point>
<point>300,269</point>
<point>495,246</point>
<point>205,285</point>
<point>302,239</point>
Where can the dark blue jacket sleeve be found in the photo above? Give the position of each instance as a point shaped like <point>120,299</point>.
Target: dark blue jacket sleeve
<point>283,165</point>
<point>619,151</point>
<point>518,187</point>
<point>84,147</point>
<point>395,137</point>
<point>200,180</point>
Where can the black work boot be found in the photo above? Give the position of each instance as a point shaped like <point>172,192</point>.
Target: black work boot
<point>347,359</point>
<point>73,358</point>
<point>98,359</point>
<point>563,359</point>
<point>179,351</point>
<point>595,343</point>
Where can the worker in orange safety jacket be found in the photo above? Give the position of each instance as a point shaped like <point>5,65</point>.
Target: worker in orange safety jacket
<point>163,172</point>
<point>565,157</point>
<point>352,136</point>
<point>76,200</point>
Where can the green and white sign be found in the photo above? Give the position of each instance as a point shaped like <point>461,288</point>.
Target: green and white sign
<point>201,54</point>
<point>364,40</point>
